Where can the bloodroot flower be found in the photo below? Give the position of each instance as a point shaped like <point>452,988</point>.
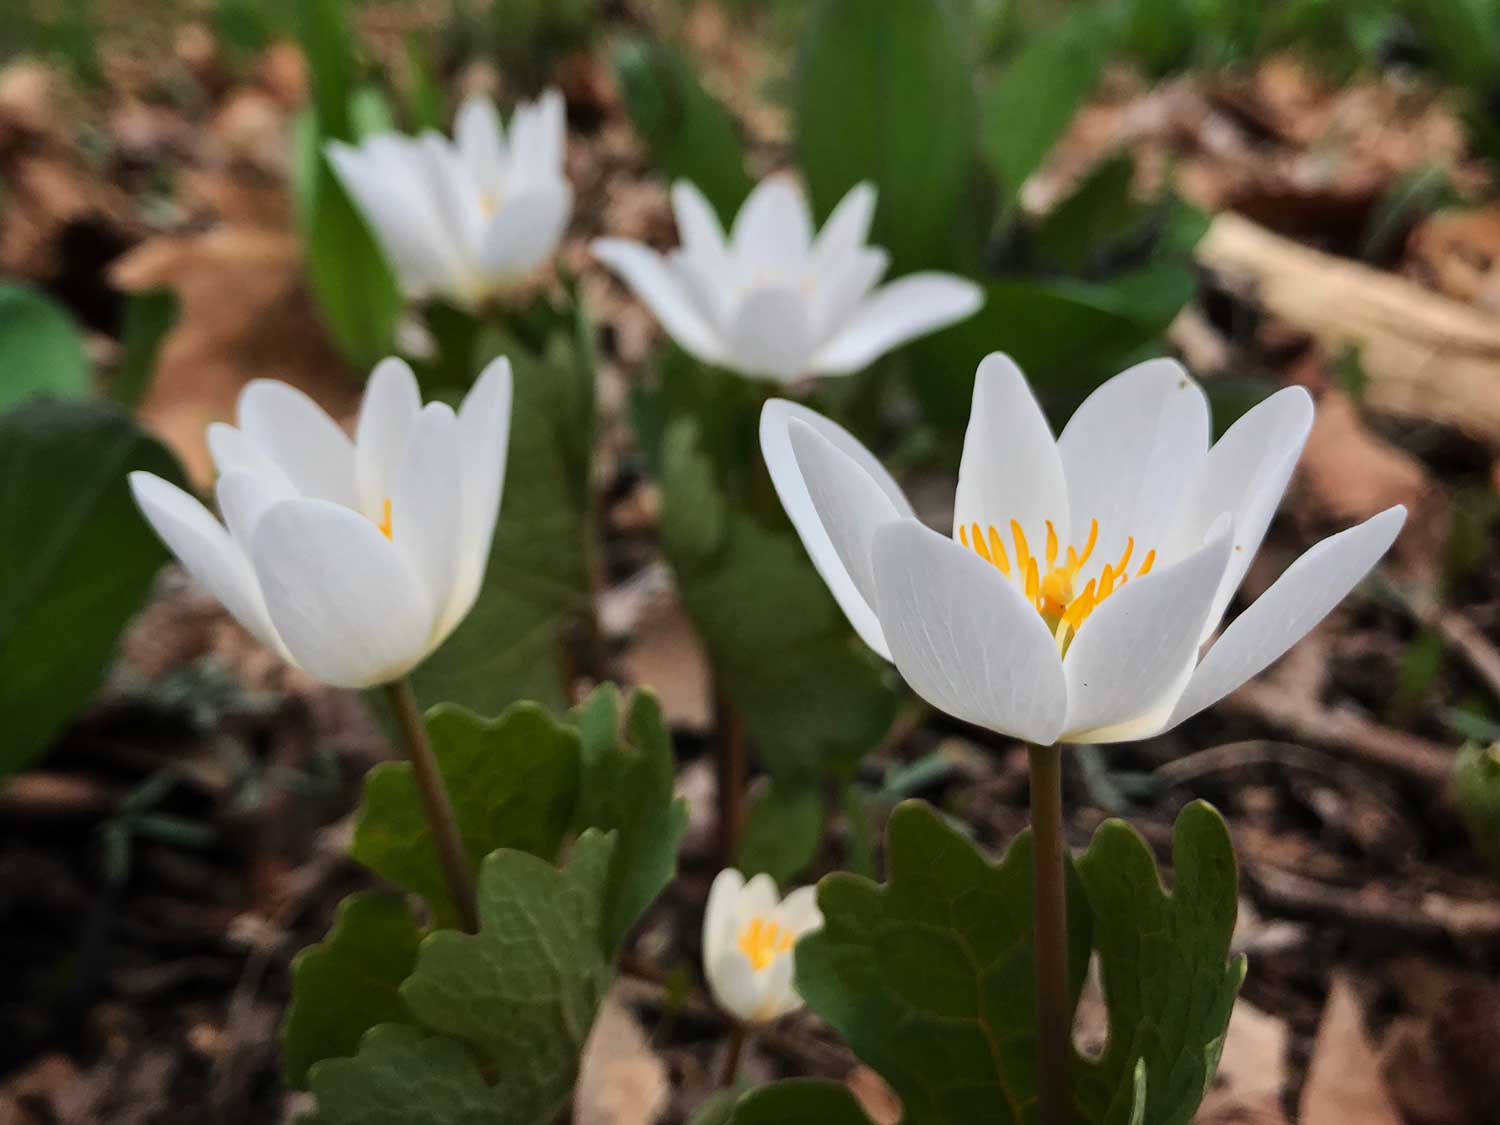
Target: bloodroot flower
<point>774,301</point>
<point>352,559</point>
<point>749,943</point>
<point>1084,574</point>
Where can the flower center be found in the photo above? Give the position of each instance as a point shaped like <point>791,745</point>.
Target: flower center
<point>489,203</point>
<point>1049,584</point>
<point>762,942</point>
<point>385,519</point>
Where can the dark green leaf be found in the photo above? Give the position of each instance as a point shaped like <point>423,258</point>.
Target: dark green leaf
<point>328,42</point>
<point>800,1101</point>
<point>401,1076</point>
<point>523,991</point>
<point>690,135</point>
<point>1476,793</point>
<point>346,984</point>
<point>929,977</point>
<point>1029,106</point>
<point>1169,982</point>
<point>782,831</point>
<point>65,507</point>
<point>514,784</point>
<point>41,350</point>
<point>149,317</point>
<point>773,632</point>
<point>627,788</point>
<point>885,94</point>
<point>537,589</point>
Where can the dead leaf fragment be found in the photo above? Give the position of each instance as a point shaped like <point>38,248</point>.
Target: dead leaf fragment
<point>1344,1082</point>
<point>621,1081</point>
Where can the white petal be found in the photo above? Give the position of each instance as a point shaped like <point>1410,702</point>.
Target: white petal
<point>387,414</point>
<point>458,197</point>
<point>799,911</point>
<point>777,996</point>
<point>851,506</point>
<point>346,603</point>
<point>698,228</point>
<point>965,638</point>
<point>484,442</point>
<point>772,334</point>
<point>732,980</point>
<point>1285,613</point>
<point>1246,473</point>
<point>847,229</point>
<point>1135,645</point>
<point>481,140</point>
<point>786,475</point>
<point>757,898</point>
<point>773,230</point>
<point>1010,469</point>
<point>205,550</point>
<point>308,446</point>
<point>538,138</point>
<point>662,291</point>
<point>1129,454</point>
<point>243,499</point>
<point>895,313</point>
<point>233,450</point>
<point>426,505</point>
<point>719,914</point>
<point>842,287</point>
<point>525,231</point>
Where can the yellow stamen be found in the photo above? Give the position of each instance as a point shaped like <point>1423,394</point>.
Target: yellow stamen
<point>762,942</point>
<point>1052,588</point>
<point>385,519</point>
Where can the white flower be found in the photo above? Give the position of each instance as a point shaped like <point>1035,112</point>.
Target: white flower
<point>749,941</point>
<point>352,559</point>
<point>462,219</point>
<point>775,302</point>
<point>1083,574</point>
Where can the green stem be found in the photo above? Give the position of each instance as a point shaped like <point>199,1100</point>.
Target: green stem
<point>738,1033</point>
<point>1054,1031</point>
<point>452,855</point>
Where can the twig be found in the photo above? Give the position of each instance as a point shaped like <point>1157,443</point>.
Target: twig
<point>1372,907</point>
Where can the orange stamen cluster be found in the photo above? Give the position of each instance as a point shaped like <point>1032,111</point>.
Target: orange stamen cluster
<point>1048,585</point>
<point>762,942</point>
<point>385,519</point>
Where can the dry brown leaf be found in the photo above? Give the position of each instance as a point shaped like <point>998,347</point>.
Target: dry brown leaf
<point>665,655</point>
<point>1252,1071</point>
<point>1344,1083</point>
<point>878,1100</point>
<point>621,1081</point>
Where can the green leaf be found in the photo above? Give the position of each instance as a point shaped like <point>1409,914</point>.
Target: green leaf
<point>775,636</point>
<point>929,977</point>
<point>402,1075</point>
<point>523,991</point>
<point>627,788</point>
<point>1164,958</point>
<point>370,112</point>
<point>782,831</point>
<point>149,317</point>
<point>717,1110</point>
<point>347,983</point>
<point>885,94</point>
<point>800,1101</point>
<point>1029,106</point>
<point>514,644</point>
<point>513,782</point>
<point>328,40</point>
<point>1476,793</point>
<point>41,349</point>
<point>690,135</point>
<point>354,286</point>
<point>65,508</point>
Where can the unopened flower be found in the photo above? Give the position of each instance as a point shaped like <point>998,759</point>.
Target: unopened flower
<point>774,301</point>
<point>352,559</point>
<point>462,219</point>
<point>1083,574</point>
<point>749,944</point>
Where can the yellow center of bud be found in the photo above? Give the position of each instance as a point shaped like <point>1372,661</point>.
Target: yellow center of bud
<point>385,519</point>
<point>762,942</point>
<point>1049,584</point>
<point>489,203</point>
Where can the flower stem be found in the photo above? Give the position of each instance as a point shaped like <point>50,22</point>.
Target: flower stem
<point>733,776</point>
<point>738,1034</point>
<point>435,803</point>
<point>1054,1063</point>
